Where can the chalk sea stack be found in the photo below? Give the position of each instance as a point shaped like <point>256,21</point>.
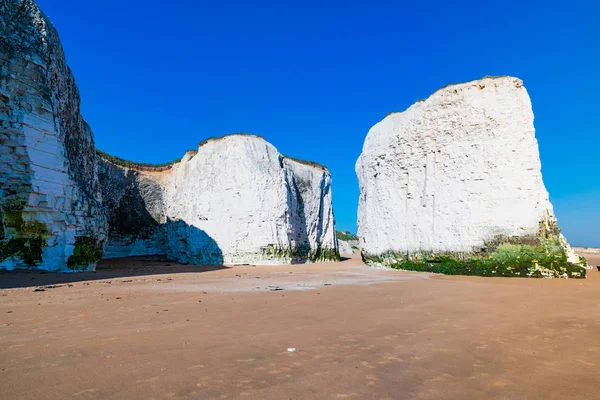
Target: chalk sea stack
<point>50,205</point>
<point>457,177</point>
<point>235,200</point>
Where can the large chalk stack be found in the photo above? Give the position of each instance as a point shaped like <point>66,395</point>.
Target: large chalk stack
<point>50,212</point>
<point>235,200</point>
<point>456,174</point>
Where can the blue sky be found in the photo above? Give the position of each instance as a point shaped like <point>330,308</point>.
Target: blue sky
<point>312,77</point>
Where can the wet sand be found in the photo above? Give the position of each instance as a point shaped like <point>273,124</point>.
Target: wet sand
<point>152,329</point>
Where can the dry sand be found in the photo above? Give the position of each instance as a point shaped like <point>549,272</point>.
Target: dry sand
<point>147,328</point>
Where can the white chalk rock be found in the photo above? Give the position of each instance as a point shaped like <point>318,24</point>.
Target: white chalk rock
<point>50,213</point>
<point>453,173</point>
<point>345,248</point>
<point>234,201</point>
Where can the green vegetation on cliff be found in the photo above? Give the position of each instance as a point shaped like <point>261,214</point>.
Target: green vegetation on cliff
<point>148,166</point>
<point>215,138</point>
<point>301,254</point>
<point>345,236</point>
<point>133,164</point>
<point>21,239</point>
<point>306,162</point>
<point>87,251</point>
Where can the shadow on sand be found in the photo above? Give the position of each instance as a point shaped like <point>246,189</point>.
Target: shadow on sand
<point>129,267</point>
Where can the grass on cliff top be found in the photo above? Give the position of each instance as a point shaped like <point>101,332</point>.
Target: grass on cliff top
<point>509,260</point>
<point>133,164</point>
<point>460,83</point>
<point>214,138</point>
<point>451,84</point>
<point>305,162</point>
<point>345,236</point>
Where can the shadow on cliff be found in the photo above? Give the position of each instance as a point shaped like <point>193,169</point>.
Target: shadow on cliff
<point>151,267</point>
<point>196,250</point>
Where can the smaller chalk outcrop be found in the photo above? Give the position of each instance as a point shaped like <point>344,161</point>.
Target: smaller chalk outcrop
<point>453,184</point>
<point>234,200</point>
<point>345,248</point>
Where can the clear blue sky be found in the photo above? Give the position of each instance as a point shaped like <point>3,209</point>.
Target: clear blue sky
<point>312,77</point>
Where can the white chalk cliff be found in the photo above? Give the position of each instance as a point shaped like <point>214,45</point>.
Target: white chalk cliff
<point>50,212</point>
<point>454,173</point>
<point>235,200</point>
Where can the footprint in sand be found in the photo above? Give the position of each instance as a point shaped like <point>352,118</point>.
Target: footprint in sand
<point>344,395</point>
<point>154,378</point>
<point>500,383</point>
<point>367,364</point>
<point>85,391</point>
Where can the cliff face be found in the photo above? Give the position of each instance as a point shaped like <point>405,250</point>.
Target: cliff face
<point>135,206</point>
<point>458,173</point>
<point>235,201</point>
<point>345,248</point>
<point>50,212</point>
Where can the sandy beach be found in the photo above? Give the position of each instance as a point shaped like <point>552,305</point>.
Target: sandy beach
<point>153,329</point>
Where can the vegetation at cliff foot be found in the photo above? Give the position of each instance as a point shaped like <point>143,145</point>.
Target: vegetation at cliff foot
<point>300,254</point>
<point>20,238</point>
<point>87,251</point>
<point>548,260</point>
